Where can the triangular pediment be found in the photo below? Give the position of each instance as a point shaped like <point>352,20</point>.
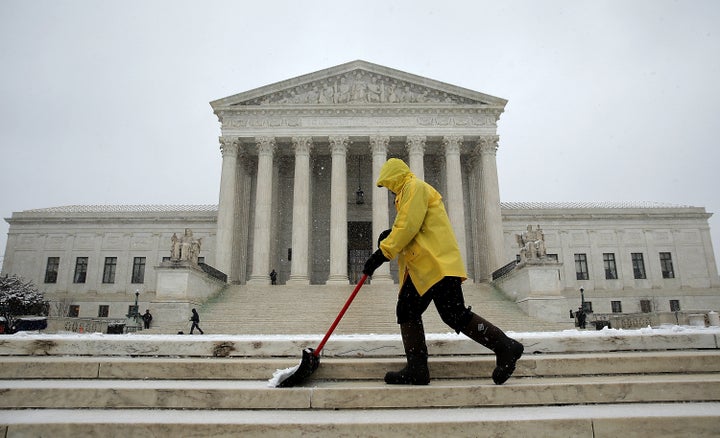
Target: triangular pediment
<point>357,83</point>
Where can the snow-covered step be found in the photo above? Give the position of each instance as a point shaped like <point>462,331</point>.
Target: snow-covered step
<point>358,394</point>
<point>350,346</point>
<point>597,421</point>
<point>370,368</point>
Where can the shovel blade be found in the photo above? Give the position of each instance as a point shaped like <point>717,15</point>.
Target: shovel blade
<point>308,365</point>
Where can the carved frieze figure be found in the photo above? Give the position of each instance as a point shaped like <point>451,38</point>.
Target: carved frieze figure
<point>532,244</point>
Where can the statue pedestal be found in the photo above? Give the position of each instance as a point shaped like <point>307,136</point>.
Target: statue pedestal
<point>181,286</point>
<point>535,286</point>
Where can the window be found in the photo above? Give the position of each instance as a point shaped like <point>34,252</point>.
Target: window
<point>51,270</point>
<point>581,267</point>
<point>638,264</point>
<point>645,306</point>
<point>674,305</point>
<point>133,311</point>
<point>666,265</point>
<point>73,311</point>
<point>81,265</point>
<point>201,260</point>
<point>616,306</point>
<point>103,311</point>
<point>138,272</point>
<point>588,307</point>
<point>109,270</point>
<point>610,267</point>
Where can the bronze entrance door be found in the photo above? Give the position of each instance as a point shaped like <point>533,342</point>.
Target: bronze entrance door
<point>359,248</point>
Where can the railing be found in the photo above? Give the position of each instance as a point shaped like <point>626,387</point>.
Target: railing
<point>504,270</point>
<point>215,273</point>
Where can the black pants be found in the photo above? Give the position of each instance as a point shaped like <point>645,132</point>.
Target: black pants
<point>447,296</point>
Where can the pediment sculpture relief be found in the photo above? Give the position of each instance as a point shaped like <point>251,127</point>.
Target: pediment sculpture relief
<point>358,88</point>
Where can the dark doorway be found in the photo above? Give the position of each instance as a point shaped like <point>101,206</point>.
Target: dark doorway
<point>359,248</point>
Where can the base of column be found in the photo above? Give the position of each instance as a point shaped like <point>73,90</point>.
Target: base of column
<point>258,281</point>
<point>338,279</point>
<point>381,279</point>
<point>298,280</point>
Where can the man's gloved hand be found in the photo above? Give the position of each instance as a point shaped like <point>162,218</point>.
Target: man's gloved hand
<point>382,236</point>
<point>375,261</point>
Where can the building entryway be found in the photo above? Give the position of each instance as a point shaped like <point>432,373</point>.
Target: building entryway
<point>360,246</point>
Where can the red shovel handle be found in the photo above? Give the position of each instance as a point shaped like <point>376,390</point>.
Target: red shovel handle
<point>320,346</point>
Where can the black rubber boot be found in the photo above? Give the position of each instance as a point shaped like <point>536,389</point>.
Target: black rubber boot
<point>416,371</point>
<point>507,350</point>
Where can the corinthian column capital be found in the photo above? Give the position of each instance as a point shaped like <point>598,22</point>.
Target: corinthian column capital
<point>416,144</point>
<point>228,146</point>
<point>265,145</point>
<point>339,144</point>
<point>487,145</point>
<point>302,145</point>
<point>379,144</point>
<point>452,144</point>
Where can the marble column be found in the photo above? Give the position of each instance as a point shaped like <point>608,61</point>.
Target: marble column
<point>301,212</point>
<point>380,214</point>
<point>263,212</point>
<point>416,152</point>
<point>454,191</point>
<point>490,216</point>
<point>338,211</point>
<point>226,206</point>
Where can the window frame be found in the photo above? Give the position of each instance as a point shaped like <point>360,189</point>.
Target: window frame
<point>51,270</point>
<point>675,306</point>
<point>581,267</point>
<point>81,269</point>
<point>73,311</point>
<point>666,265</point>
<point>109,270</point>
<point>610,266</point>
<point>138,270</point>
<point>638,265</point>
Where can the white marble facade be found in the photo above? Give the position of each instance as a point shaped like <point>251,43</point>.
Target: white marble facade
<point>296,152</point>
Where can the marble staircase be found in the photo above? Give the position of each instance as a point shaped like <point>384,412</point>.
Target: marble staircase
<point>243,309</point>
<point>595,384</point>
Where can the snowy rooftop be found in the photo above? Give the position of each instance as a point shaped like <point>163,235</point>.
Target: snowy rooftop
<point>125,209</point>
<point>213,207</point>
<point>589,205</point>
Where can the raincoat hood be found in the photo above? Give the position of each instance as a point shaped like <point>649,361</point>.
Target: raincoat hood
<point>393,175</point>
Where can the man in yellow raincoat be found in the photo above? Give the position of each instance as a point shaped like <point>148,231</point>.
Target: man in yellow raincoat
<point>431,269</point>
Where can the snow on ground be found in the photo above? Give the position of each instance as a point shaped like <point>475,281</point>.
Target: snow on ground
<point>605,332</point>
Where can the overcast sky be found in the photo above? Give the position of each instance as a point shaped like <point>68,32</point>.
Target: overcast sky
<point>107,102</point>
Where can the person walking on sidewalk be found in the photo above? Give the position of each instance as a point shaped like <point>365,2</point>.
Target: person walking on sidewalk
<point>195,318</point>
<point>431,269</point>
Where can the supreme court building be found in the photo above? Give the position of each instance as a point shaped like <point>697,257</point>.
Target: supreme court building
<point>300,159</point>
<point>297,195</point>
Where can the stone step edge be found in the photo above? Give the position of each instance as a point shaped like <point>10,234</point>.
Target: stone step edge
<point>358,395</point>
<point>578,364</point>
<point>571,341</point>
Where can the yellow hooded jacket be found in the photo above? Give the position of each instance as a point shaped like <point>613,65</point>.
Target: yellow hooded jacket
<point>422,237</point>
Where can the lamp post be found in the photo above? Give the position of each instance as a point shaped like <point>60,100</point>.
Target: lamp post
<point>136,309</point>
<point>582,299</point>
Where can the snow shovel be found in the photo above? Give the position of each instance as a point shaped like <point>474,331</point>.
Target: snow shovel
<point>290,377</point>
